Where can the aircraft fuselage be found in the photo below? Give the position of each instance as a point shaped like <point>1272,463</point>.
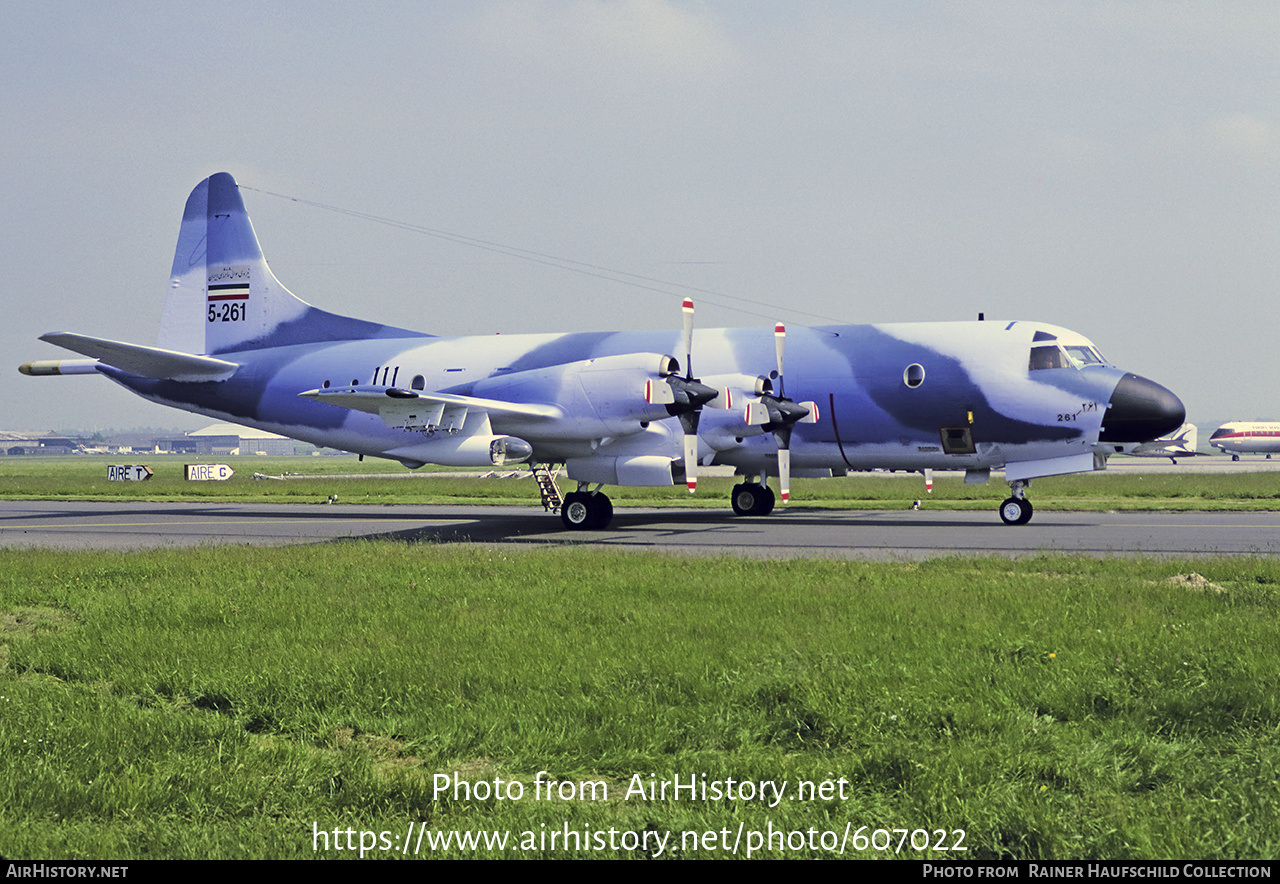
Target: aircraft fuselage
<point>976,405</point>
<point>1244,437</point>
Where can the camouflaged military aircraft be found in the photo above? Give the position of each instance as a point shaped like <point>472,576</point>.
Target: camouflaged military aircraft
<point>619,408</point>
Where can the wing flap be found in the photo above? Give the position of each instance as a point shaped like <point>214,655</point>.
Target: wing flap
<point>413,410</point>
<point>147,362</point>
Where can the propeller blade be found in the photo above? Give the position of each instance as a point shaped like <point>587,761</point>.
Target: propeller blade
<point>687,308</point>
<point>691,461</point>
<point>784,473</point>
<point>779,345</point>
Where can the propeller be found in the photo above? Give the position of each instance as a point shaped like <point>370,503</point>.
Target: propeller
<point>684,398</point>
<point>776,413</point>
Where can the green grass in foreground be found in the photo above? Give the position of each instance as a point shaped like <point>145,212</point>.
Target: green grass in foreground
<point>84,478</point>
<point>222,702</point>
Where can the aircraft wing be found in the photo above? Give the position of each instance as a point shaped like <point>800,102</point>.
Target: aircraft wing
<point>408,408</point>
<point>147,362</point>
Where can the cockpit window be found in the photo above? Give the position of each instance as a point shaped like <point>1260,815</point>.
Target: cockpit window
<point>1083,355</point>
<point>1047,357</point>
<point>1067,356</point>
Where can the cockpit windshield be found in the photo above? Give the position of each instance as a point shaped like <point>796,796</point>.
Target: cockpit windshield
<point>1083,355</point>
<point>1048,351</point>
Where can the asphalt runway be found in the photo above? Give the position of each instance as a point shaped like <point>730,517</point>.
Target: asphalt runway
<point>796,531</point>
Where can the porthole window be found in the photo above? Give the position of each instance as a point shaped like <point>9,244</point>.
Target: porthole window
<point>419,382</point>
<point>913,376</point>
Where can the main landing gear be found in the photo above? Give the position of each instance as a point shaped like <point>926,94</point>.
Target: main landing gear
<point>752,499</point>
<point>586,510</point>
<point>1017,509</point>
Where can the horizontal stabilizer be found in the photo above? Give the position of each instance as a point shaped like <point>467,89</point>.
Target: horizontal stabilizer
<point>147,362</point>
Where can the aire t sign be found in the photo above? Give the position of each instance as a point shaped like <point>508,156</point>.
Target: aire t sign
<point>130,473</point>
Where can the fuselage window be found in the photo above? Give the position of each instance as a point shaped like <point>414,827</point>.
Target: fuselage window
<point>419,382</point>
<point>913,375</point>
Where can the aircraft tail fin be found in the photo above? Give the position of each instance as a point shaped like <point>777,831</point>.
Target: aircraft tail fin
<point>1188,435</point>
<point>222,295</point>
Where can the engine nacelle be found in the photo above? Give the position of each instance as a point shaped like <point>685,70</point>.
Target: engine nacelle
<point>606,395</point>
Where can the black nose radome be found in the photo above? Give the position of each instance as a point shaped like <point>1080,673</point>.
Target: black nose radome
<point>1141,410</point>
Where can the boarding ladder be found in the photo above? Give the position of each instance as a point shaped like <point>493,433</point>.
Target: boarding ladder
<point>545,476</point>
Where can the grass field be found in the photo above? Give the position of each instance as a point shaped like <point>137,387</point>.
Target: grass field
<point>248,702</point>
<point>239,702</point>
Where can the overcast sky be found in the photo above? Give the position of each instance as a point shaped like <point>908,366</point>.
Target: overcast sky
<point>1110,167</point>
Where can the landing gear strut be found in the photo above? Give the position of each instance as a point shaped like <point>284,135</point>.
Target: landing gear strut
<point>1017,509</point>
<point>752,499</point>
<point>586,511</point>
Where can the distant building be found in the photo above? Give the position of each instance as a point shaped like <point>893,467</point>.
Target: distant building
<point>235,439</point>
<point>146,443</point>
<point>218,439</point>
<point>13,443</point>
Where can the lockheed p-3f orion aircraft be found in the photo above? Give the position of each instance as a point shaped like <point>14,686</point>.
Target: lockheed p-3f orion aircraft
<point>624,408</point>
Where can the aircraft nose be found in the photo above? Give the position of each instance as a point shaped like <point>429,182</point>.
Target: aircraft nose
<point>1141,410</point>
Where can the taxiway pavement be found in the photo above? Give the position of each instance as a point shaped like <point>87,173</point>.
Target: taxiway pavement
<point>797,531</point>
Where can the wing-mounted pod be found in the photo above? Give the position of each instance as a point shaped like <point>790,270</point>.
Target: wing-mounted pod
<point>474,444</point>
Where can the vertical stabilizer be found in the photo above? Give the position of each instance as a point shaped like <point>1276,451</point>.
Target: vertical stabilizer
<point>222,294</point>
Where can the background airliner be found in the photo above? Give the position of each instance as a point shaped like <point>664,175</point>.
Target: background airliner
<point>624,408</point>
<point>1243,437</point>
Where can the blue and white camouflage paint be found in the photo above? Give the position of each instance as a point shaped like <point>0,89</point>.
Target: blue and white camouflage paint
<point>1030,398</point>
